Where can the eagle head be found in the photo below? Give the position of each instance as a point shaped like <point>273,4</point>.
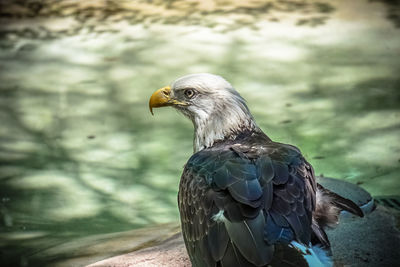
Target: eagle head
<point>217,110</point>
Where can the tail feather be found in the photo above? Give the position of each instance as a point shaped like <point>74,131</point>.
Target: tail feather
<point>341,202</point>
<point>327,211</point>
<point>319,235</point>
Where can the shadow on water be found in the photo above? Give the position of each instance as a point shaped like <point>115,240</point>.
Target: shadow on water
<point>393,10</point>
<point>93,16</point>
<point>368,95</point>
<point>52,186</point>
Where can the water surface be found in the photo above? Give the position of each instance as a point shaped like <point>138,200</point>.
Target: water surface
<point>80,152</point>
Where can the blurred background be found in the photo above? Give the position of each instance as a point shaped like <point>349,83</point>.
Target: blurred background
<point>80,153</point>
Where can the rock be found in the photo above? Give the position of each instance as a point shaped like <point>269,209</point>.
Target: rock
<point>86,250</point>
<point>171,253</point>
<point>369,241</point>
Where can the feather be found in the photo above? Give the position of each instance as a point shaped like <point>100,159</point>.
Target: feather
<point>280,206</point>
<point>274,233</point>
<point>283,194</point>
<point>278,219</point>
<point>268,195</point>
<point>233,257</point>
<point>343,203</point>
<point>281,173</point>
<point>265,170</point>
<point>202,247</point>
<point>222,178</point>
<point>288,256</point>
<point>246,192</point>
<point>305,222</point>
<point>297,226</point>
<point>232,211</point>
<point>329,206</point>
<point>299,208</point>
<point>293,190</point>
<point>218,240</point>
<point>247,211</point>
<point>320,234</point>
<point>247,236</point>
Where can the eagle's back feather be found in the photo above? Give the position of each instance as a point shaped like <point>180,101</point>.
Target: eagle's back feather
<point>241,200</point>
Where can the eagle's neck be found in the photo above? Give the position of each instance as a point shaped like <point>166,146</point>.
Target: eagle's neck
<point>221,125</point>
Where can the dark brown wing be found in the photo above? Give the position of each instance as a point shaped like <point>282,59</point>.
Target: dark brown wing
<point>237,205</point>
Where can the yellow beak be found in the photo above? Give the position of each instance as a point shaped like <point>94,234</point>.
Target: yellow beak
<point>162,98</point>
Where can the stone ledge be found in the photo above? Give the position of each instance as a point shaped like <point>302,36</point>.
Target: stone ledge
<point>369,241</point>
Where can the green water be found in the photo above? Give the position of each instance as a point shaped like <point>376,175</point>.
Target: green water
<point>80,154</point>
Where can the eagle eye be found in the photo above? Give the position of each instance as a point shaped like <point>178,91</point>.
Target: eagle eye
<point>189,93</point>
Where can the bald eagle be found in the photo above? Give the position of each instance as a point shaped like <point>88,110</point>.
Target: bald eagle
<point>245,200</point>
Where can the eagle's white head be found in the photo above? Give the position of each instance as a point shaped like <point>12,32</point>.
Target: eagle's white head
<point>216,109</point>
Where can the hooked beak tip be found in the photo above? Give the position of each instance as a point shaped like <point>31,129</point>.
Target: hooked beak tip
<point>160,98</point>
